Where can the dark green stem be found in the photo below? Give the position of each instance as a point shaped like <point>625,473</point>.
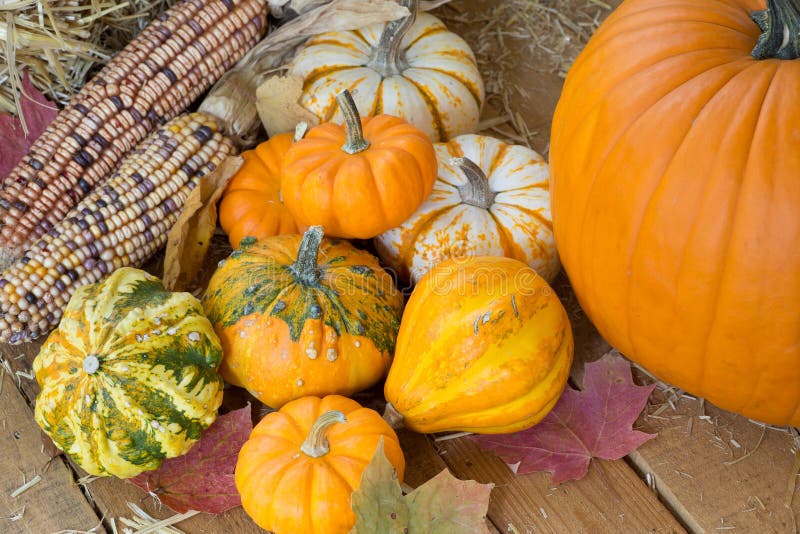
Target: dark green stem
<point>352,124</point>
<point>476,192</point>
<point>305,268</point>
<point>780,23</point>
<point>316,444</point>
<point>387,59</point>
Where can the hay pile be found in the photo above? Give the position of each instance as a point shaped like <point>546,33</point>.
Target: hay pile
<point>62,42</point>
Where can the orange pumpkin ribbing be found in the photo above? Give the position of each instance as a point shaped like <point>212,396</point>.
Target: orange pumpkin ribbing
<point>251,204</point>
<point>287,491</point>
<point>675,200</point>
<point>363,194</point>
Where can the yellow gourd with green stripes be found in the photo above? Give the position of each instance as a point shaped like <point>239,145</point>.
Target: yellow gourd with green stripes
<point>129,377</point>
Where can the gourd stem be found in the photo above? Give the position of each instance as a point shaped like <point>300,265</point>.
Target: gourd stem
<point>780,23</point>
<point>476,192</point>
<point>305,266</point>
<point>386,59</point>
<point>393,417</point>
<point>316,443</point>
<point>352,123</point>
<point>91,363</point>
<point>300,131</point>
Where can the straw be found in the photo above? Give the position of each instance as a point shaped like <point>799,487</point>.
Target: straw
<point>63,42</point>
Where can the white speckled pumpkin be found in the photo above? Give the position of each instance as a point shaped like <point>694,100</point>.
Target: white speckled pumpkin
<point>412,68</point>
<point>129,377</point>
<point>490,199</point>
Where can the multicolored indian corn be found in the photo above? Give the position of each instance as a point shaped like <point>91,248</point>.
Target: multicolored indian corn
<point>120,223</point>
<point>165,68</point>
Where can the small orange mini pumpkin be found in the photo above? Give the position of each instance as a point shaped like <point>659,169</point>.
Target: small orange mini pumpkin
<point>359,179</point>
<point>301,464</point>
<point>252,204</point>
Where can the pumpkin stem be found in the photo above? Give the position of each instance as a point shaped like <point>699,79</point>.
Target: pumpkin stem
<point>304,268</point>
<point>387,59</point>
<point>476,192</point>
<point>316,443</point>
<point>300,131</point>
<point>352,124</point>
<point>780,23</point>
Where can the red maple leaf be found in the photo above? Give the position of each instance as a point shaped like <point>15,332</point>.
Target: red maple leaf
<point>593,423</point>
<point>202,479</point>
<point>38,113</point>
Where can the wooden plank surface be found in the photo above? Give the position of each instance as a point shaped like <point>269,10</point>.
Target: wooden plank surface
<point>54,503</point>
<point>716,471</point>
<point>719,471</point>
<point>611,498</point>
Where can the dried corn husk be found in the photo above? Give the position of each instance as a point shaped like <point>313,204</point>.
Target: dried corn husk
<point>288,8</point>
<point>234,95</point>
<point>60,42</point>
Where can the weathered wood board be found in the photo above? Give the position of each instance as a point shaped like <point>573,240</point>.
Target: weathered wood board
<point>55,502</point>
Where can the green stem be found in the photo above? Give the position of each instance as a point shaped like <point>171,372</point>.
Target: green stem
<point>476,192</point>
<point>316,444</point>
<point>387,59</point>
<point>780,23</point>
<point>352,124</point>
<point>305,268</point>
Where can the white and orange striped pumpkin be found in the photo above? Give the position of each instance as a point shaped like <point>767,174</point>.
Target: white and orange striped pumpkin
<point>490,199</point>
<point>412,68</point>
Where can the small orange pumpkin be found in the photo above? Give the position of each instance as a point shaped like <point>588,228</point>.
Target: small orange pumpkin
<point>359,179</point>
<point>301,464</point>
<point>252,204</point>
<point>301,316</point>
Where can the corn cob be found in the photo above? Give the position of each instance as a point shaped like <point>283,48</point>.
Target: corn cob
<point>120,223</point>
<point>172,61</point>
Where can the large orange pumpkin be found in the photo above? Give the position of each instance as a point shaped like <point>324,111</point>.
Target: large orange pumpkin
<point>359,179</point>
<point>676,197</point>
<point>301,464</point>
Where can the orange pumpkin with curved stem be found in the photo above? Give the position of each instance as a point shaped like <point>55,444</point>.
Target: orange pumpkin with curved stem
<point>675,195</point>
<point>301,464</point>
<point>252,204</point>
<point>359,179</point>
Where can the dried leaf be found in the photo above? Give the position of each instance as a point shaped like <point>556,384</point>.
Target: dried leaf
<point>17,134</point>
<point>593,423</point>
<point>189,238</point>
<point>202,479</point>
<point>442,505</point>
<point>277,101</point>
<point>446,504</point>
